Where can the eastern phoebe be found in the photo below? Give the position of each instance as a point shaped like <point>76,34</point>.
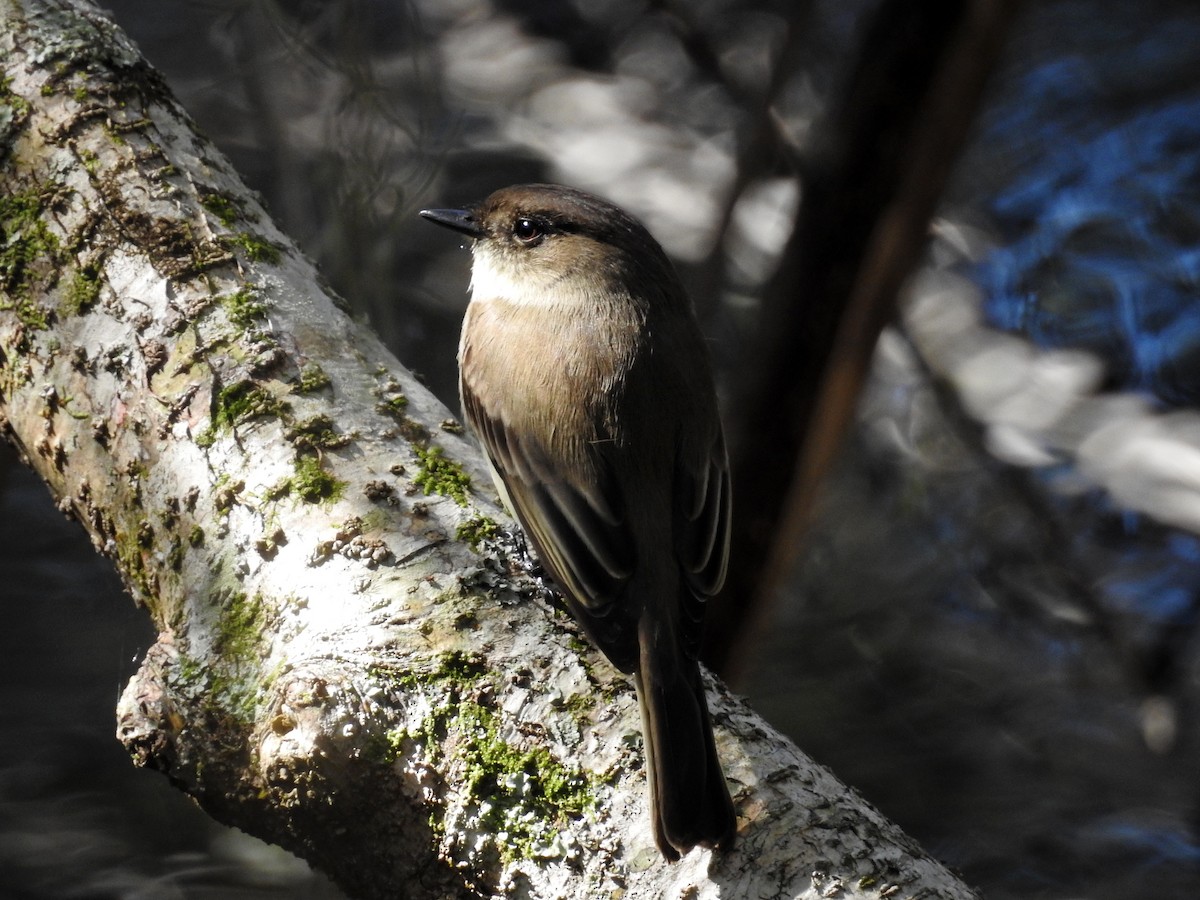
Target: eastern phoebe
<point>584,373</point>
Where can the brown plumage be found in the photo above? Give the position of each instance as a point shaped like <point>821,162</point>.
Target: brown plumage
<point>585,376</point>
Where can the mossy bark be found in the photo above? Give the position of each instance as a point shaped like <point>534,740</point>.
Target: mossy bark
<point>337,670</point>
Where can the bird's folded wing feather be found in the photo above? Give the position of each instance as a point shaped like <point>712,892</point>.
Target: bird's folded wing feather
<point>578,529</point>
<point>702,528</point>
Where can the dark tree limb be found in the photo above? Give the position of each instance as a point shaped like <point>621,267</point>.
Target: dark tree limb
<point>871,185</point>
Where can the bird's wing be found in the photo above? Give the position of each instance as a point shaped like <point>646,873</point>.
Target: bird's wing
<point>702,521</point>
<point>578,529</point>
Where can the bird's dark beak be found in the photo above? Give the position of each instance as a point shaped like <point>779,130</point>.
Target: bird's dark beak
<point>458,219</point>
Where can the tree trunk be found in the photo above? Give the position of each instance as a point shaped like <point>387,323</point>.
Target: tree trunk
<point>337,669</point>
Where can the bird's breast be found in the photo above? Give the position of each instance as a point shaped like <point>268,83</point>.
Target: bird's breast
<point>547,372</point>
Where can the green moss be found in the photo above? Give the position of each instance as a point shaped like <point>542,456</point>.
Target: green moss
<point>240,627</point>
<point>225,493</point>
<point>19,105</point>
<point>393,405</point>
<point>191,672</point>
<point>439,475</point>
<point>476,530</point>
<point>77,414</point>
<point>313,484</point>
<point>26,244</point>
<point>316,433</point>
<point>223,207</point>
<point>134,547</point>
<point>312,378</point>
<point>30,314</point>
<point>169,516</point>
<point>458,668</point>
<point>509,776</point>
<point>524,793</point>
<point>383,749</point>
<point>582,705</point>
<point>413,431</point>
<point>195,537</point>
<point>255,248</point>
<point>453,669</point>
<point>373,520</point>
<point>244,308</point>
<point>83,291</point>
<point>175,554</point>
<point>395,742</point>
<point>91,162</point>
<point>245,400</point>
<point>131,562</point>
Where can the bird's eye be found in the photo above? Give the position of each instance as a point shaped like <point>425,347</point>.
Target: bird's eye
<point>528,232</point>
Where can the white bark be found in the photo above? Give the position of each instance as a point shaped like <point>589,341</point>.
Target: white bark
<point>336,671</point>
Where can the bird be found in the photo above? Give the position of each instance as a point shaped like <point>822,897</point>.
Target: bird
<point>585,376</point>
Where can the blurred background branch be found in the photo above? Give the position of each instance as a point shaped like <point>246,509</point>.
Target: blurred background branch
<point>881,158</point>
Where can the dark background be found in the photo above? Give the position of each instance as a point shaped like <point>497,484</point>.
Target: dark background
<point>1002,658</point>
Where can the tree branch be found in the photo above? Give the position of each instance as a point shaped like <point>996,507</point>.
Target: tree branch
<point>871,186</point>
<point>337,670</point>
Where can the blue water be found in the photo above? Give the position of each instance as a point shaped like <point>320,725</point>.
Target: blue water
<point>1101,213</point>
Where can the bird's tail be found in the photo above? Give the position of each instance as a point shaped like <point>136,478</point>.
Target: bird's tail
<point>689,801</point>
